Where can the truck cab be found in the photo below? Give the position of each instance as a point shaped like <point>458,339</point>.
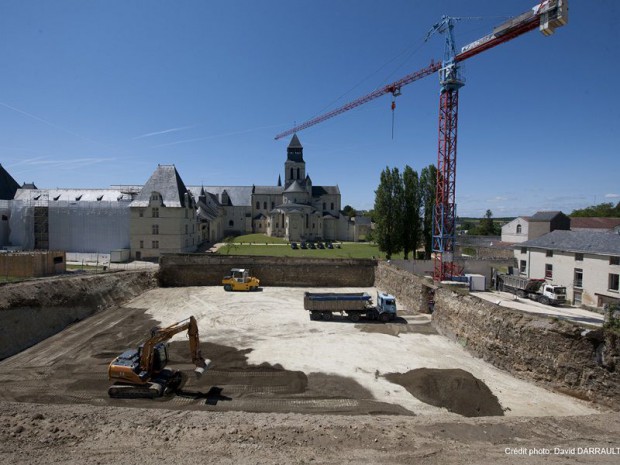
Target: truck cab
<point>386,303</point>
<point>553,294</point>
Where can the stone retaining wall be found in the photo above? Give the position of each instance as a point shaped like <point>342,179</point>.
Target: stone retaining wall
<point>208,270</point>
<point>34,310</point>
<point>563,356</point>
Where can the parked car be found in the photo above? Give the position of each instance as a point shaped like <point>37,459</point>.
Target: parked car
<point>320,245</point>
<point>330,245</point>
<point>294,245</point>
<point>304,245</point>
<point>311,245</point>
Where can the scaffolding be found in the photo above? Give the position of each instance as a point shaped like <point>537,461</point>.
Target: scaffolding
<point>72,226</point>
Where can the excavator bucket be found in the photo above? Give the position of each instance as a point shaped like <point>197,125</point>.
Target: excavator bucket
<point>200,369</point>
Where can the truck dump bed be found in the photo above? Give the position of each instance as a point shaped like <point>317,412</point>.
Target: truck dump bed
<point>521,282</point>
<point>336,302</point>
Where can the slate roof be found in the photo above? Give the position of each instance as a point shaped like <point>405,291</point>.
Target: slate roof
<point>8,185</point>
<point>295,144</point>
<point>323,190</point>
<point>72,195</point>
<point>29,185</point>
<point>295,187</point>
<point>240,196</point>
<point>271,190</point>
<point>600,243</point>
<point>168,183</point>
<point>545,215</point>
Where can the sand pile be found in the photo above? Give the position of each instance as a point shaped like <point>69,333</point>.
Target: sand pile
<point>456,390</point>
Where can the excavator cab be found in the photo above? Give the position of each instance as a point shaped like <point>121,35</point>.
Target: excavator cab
<point>142,372</point>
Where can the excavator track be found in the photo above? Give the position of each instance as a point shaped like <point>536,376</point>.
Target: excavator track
<point>162,386</point>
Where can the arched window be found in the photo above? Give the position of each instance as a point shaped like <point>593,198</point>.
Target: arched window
<point>518,229</point>
<point>258,205</point>
<point>332,206</point>
<point>231,223</point>
<point>265,205</point>
<point>291,173</point>
<point>324,206</point>
<point>298,174</point>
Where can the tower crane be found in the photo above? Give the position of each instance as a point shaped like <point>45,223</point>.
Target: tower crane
<point>546,16</point>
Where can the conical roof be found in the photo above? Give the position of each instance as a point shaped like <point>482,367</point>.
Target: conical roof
<point>295,144</point>
<point>295,187</point>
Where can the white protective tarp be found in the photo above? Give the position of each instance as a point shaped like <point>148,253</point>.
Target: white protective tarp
<point>88,226</point>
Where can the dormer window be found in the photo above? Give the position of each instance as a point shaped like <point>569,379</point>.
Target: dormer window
<point>78,198</point>
<point>100,198</point>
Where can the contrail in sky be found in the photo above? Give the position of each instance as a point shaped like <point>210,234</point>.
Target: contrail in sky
<point>165,131</point>
<point>216,136</point>
<point>44,121</point>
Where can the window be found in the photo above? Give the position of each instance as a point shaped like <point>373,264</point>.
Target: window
<point>578,282</point>
<point>258,205</point>
<point>549,253</point>
<point>57,260</point>
<point>141,213</point>
<point>298,177</point>
<point>156,244</point>
<point>264,205</point>
<point>614,282</point>
<point>155,212</point>
<point>522,266</point>
<point>186,229</point>
<point>291,173</point>
<point>332,206</point>
<point>523,249</point>
<point>324,206</point>
<point>141,244</point>
<point>578,257</point>
<point>548,270</point>
<point>155,229</point>
<point>614,260</point>
<point>273,205</point>
<point>577,298</point>
<point>231,223</point>
<point>519,229</point>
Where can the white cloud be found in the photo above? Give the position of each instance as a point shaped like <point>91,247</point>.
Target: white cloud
<point>612,196</point>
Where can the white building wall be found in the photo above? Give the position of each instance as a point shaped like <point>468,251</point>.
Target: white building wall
<point>595,273</point>
<point>510,234</point>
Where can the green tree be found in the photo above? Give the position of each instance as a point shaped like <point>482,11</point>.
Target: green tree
<point>428,186</point>
<point>411,211</point>
<point>349,211</point>
<point>487,225</point>
<point>388,212</point>
<point>604,210</point>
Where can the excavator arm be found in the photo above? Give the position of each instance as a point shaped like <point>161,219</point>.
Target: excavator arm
<point>164,334</point>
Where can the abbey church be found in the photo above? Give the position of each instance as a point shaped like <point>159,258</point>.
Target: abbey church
<point>166,216</point>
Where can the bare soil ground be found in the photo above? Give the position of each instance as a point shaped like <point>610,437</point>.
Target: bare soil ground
<point>283,389</point>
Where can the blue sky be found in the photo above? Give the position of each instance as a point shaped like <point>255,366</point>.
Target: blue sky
<point>97,93</point>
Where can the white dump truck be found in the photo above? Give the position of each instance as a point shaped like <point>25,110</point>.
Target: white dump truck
<point>534,289</point>
<point>354,305</point>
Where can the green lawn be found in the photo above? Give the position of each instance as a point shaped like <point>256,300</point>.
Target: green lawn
<point>258,239</point>
<point>346,250</point>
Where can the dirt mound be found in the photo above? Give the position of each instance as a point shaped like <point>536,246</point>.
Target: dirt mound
<point>456,390</point>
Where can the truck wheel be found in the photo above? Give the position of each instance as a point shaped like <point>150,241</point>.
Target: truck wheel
<point>228,288</point>
<point>544,300</point>
<point>315,316</point>
<point>327,316</point>
<point>521,293</point>
<point>385,317</point>
<point>354,317</point>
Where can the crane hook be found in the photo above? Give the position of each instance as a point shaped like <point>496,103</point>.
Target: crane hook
<point>395,93</point>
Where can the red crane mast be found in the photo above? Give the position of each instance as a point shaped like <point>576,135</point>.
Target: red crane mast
<point>547,16</point>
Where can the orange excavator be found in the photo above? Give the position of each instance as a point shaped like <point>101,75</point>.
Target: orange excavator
<point>142,374</point>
